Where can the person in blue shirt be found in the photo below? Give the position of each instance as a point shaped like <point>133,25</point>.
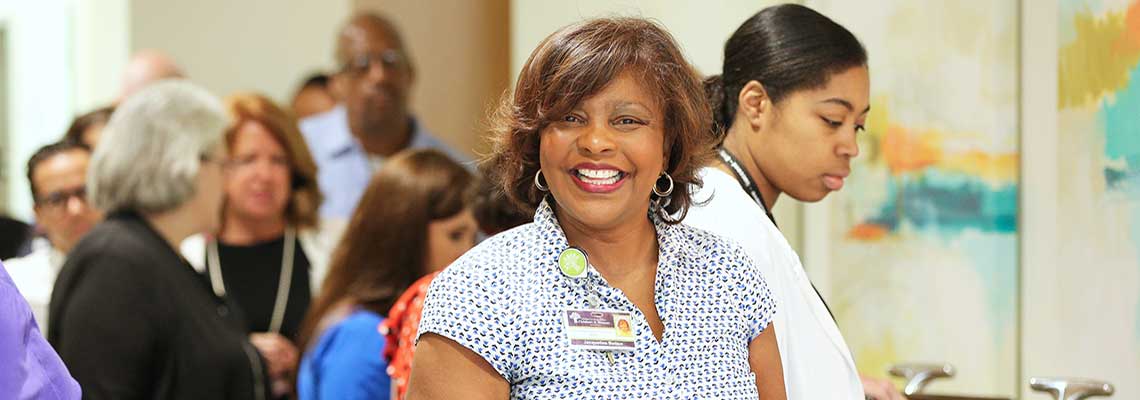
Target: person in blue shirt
<point>414,219</point>
<point>351,141</point>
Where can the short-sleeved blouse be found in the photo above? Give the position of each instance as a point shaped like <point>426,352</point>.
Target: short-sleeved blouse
<point>505,300</point>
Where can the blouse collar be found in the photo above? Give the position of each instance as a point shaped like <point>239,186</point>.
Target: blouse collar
<point>548,227</point>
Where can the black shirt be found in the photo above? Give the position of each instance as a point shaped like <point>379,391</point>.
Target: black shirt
<point>131,319</point>
<point>252,275</point>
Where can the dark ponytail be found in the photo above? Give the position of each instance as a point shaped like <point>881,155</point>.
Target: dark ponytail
<point>714,91</point>
<point>786,48</point>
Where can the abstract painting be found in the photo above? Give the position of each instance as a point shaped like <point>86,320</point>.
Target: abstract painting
<point>1098,199</point>
<point>923,242</point>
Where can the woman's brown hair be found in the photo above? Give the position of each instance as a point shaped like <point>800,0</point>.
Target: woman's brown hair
<point>384,249</point>
<point>579,61</point>
<point>305,196</point>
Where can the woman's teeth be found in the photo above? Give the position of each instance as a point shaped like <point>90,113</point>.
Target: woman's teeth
<point>599,176</point>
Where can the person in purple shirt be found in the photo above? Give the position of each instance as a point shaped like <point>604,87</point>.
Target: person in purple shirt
<point>31,368</point>
<point>350,142</point>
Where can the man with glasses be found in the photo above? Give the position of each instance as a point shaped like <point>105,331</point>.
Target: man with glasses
<point>350,142</point>
<point>57,174</point>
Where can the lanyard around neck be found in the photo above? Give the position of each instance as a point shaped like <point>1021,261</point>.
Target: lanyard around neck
<point>745,181</point>
<point>750,187</point>
<point>284,282</point>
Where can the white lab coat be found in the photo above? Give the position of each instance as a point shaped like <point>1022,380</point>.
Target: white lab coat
<point>817,362</point>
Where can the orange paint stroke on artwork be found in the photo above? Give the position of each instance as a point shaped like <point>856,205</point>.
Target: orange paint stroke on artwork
<point>906,151</point>
<point>1131,34</point>
<point>997,169</point>
<point>867,232</point>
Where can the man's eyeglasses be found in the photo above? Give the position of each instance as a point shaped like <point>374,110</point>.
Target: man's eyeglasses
<point>57,200</point>
<point>359,65</point>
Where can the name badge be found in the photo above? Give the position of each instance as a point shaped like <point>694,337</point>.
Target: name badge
<point>599,330</point>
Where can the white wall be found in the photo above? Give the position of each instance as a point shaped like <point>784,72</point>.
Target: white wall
<point>39,83</point>
<point>229,46</point>
<point>101,47</point>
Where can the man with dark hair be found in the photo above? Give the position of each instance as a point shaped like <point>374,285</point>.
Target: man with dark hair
<point>350,142</point>
<point>57,174</point>
<point>88,127</point>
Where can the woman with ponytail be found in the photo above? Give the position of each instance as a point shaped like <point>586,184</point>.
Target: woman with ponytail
<point>793,96</point>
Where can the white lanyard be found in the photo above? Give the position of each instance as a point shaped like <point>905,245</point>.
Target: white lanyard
<point>284,282</point>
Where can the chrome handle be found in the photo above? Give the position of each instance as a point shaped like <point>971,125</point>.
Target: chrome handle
<point>919,375</point>
<point>1071,388</point>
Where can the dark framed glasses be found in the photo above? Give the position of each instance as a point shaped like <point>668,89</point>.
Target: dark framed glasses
<point>58,199</point>
<point>388,59</point>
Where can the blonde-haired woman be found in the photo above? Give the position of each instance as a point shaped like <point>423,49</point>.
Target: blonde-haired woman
<point>271,252</point>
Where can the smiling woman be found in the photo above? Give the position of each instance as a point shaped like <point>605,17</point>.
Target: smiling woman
<point>603,134</point>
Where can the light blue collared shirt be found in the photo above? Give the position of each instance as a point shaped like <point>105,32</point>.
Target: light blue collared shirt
<point>344,168</point>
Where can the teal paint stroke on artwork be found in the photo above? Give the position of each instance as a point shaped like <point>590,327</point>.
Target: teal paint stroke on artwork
<point>1119,119</point>
<point>948,202</point>
<point>994,258</point>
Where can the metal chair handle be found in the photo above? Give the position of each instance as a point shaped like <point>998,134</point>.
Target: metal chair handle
<point>1071,388</point>
<point>919,375</point>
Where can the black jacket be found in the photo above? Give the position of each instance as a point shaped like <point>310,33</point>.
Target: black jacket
<point>132,320</point>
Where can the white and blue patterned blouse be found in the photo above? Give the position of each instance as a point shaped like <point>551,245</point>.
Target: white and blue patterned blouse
<point>504,301</point>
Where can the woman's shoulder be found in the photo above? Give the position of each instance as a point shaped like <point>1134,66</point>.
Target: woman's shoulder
<point>358,330</point>
<point>499,257</point>
<point>723,207</point>
<point>352,343</point>
<point>359,325</point>
<point>714,260</point>
<point>702,244</point>
<point>116,244</point>
<point>707,254</point>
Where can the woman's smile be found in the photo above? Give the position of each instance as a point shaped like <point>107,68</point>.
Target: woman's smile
<point>597,178</point>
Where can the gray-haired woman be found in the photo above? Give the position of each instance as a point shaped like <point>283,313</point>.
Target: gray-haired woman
<point>129,316</point>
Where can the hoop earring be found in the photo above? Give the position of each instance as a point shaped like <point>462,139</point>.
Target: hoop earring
<point>538,182</point>
<point>665,192</point>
